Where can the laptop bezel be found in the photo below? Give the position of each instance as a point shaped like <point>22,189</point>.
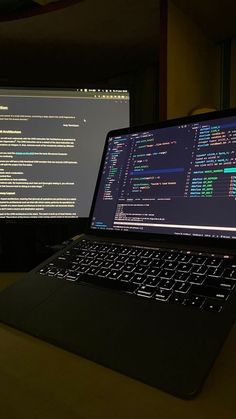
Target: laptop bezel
<point>219,243</point>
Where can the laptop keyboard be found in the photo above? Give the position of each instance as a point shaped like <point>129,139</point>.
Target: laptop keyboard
<point>178,277</point>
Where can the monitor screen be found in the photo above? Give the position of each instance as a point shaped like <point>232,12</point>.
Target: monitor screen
<point>178,179</point>
<point>51,143</point>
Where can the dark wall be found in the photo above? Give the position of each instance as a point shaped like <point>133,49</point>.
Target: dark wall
<point>74,65</point>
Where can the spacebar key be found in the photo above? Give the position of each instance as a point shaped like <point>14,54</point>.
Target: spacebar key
<point>108,283</point>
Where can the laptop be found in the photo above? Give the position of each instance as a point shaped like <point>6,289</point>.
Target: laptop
<point>149,289</point>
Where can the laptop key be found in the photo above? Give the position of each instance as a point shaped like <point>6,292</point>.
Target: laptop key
<point>145,261</point>
<point>134,259</point>
<point>114,249</point>
<point>157,264</point>
<point>73,276</point>
<point>108,283</point>
<point>162,294</point>
<point>128,268</point>
<point>220,282</point>
<point>92,270</point>
<point>62,273</point>
<point>195,301</point>
<point>198,260</point>
<point>138,278</point>
<point>140,269</point>
<point>124,250</point>
<point>212,305</point>
<point>135,252</point>
<point>147,253</point>
<point>184,267</point>
<point>106,264</point>
<point>153,282</point>
<point>83,268</point>
<point>214,262</point>
<point>92,254</point>
<point>182,287</point>
<point>105,248</point>
<point>96,262</point>
<point>87,261</point>
<point>180,276</point>
<point>83,253</point>
<point>166,274</point>
<point>216,272</point>
<point>101,255</point>
<point>171,256</point>
<point>122,258</point>
<point>206,291</point>
<point>159,254</point>
<point>111,256</point>
<point>61,261</point>
<point>73,266</point>
<point>184,258</point>
<point>153,271</point>
<point>230,273</point>
<point>146,291</point>
<point>117,265</point>
<point>167,284</point>
<point>170,265</point>
<point>114,274</point>
<point>126,276</point>
<point>52,271</point>
<point>177,298</point>
<point>200,270</point>
<point>196,279</point>
<point>103,272</point>
<point>44,270</point>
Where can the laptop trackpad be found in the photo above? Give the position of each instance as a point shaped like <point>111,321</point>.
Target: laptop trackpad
<point>136,336</point>
<point>17,300</point>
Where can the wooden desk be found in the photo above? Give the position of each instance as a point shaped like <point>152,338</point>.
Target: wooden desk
<point>40,381</point>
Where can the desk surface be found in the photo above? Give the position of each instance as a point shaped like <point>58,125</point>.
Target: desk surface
<point>41,381</point>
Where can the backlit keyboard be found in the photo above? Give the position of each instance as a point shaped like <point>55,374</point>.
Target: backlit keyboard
<point>179,277</point>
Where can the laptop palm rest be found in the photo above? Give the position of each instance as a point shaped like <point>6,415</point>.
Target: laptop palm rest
<point>18,300</point>
<point>115,330</point>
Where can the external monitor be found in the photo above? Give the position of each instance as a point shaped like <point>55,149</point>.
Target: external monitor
<point>51,143</point>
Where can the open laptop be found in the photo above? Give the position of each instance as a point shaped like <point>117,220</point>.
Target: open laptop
<point>149,290</point>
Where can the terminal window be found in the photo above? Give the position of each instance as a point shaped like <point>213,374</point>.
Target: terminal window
<point>173,180</point>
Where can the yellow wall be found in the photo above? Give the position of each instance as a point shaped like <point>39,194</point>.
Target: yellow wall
<point>233,75</point>
<point>192,66</point>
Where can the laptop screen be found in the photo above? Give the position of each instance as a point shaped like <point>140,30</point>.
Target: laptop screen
<point>175,180</point>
